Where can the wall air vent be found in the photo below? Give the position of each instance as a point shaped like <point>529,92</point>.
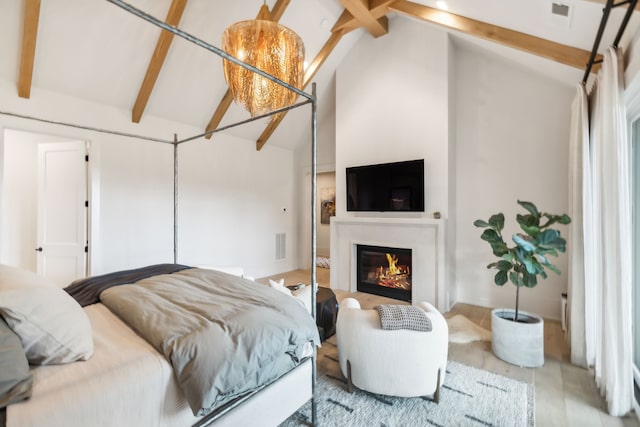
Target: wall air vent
<point>560,15</point>
<point>560,9</point>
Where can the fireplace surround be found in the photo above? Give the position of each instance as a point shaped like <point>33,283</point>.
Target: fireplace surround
<point>424,236</point>
<point>384,271</point>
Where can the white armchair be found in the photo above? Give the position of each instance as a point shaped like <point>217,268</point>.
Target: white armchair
<point>401,362</point>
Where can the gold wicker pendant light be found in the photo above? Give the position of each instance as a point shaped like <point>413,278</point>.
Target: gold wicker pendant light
<point>270,47</point>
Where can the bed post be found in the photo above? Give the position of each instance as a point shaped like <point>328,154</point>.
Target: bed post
<point>175,198</point>
<point>314,283</point>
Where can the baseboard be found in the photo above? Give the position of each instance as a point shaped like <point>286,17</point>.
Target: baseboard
<point>482,302</point>
<point>486,302</point>
<point>451,305</point>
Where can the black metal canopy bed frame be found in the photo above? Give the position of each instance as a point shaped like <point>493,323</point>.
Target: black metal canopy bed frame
<point>221,414</point>
<point>303,376</point>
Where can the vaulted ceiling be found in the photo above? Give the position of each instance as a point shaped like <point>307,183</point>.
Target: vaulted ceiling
<point>95,51</point>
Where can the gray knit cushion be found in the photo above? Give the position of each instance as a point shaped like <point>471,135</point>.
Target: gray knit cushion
<point>394,317</point>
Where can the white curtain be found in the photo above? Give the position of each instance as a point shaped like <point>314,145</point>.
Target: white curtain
<point>600,288</point>
<point>579,203</point>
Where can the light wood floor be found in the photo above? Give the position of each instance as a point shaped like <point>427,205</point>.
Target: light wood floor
<point>566,395</point>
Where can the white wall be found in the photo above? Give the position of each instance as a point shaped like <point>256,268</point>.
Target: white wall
<point>20,198</point>
<point>325,161</point>
<point>135,226</point>
<point>326,133</point>
<point>452,214</point>
<point>132,188</point>
<point>632,60</point>
<point>392,105</point>
<point>490,131</point>
<point>512,131</point>
<point>233,201</point>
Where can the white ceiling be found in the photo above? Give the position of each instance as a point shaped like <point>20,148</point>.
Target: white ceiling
<point>93,50</point>
<point>534,17</point>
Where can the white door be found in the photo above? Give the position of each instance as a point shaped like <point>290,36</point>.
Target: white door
<point>62,214</point>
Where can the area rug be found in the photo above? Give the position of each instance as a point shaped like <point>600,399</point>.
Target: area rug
<point>463,330</point>
<point>469,397</point>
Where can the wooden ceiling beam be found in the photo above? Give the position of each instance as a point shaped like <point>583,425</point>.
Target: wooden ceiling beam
<point>378,8</point>
<point>278,9</point>
<point>157,60</point>
<point>221,110</point>
<point>376,26</point>
<point>227,98</point>
<point>347,22</point>
<point>309,74</point>
<point>563,54</point>
<point>29,38</point>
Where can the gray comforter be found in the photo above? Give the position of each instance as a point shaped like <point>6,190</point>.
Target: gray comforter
<point>225,336</point>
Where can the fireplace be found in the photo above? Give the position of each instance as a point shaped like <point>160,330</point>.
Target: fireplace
<point>384,271</point>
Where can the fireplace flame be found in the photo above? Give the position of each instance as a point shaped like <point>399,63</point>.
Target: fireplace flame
<point>393,261</point>
<point>394,276</point>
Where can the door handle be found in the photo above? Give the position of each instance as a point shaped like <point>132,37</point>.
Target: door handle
<point>39,249</point>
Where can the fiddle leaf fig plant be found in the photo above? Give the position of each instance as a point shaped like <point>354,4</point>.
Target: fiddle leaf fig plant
<point>522,263</point>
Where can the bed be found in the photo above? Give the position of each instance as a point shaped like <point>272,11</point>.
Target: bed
<point>117,377</point>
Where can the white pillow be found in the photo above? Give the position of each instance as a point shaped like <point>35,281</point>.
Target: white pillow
<point>303,295</point>
<point>279,286</point>
<point>52,326</point>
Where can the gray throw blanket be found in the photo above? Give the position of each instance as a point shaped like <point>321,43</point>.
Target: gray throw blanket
<point>394,317</point>
<point>87,291</point>
<point>224,335</point>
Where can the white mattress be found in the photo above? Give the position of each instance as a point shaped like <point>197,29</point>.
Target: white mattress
<point>110,389</point>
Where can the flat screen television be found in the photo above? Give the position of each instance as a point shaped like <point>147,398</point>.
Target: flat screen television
<point>385,187</point>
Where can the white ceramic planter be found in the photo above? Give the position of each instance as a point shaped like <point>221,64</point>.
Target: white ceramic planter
<point>519,343</point>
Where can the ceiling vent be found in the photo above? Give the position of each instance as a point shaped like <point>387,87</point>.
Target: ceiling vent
<point>561,14</point>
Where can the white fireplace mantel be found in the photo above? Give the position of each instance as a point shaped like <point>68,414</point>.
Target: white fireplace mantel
<point>424,236</point>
